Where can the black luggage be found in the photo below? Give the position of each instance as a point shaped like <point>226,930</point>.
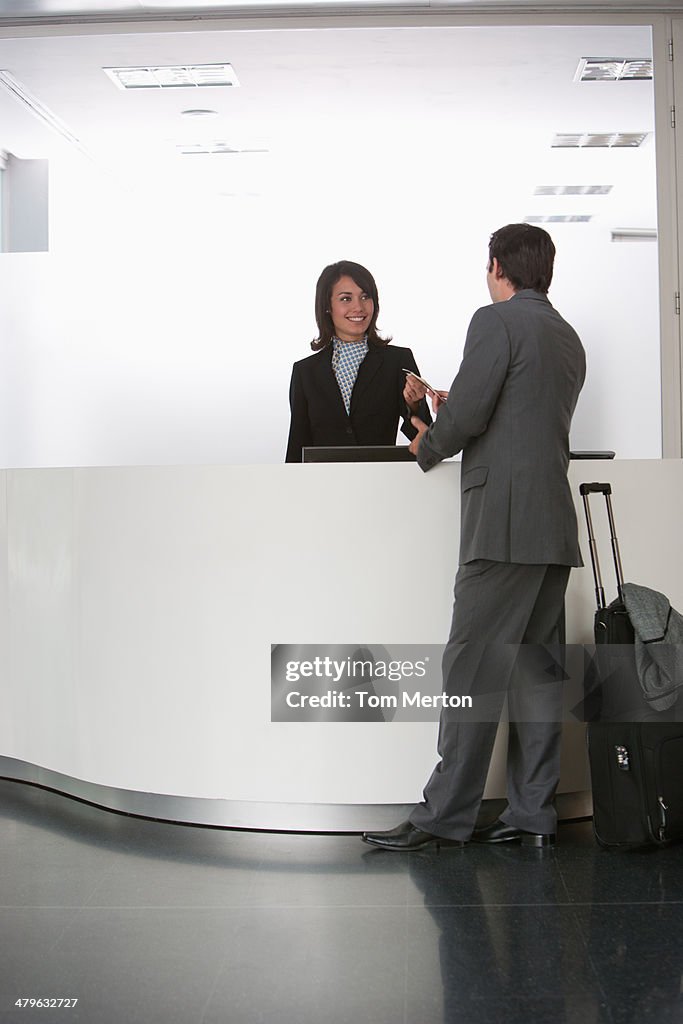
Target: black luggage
<point>635,753</point>
<point>637,778</point>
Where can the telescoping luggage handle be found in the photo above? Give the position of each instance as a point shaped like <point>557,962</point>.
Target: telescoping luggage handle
<point>606,489</point>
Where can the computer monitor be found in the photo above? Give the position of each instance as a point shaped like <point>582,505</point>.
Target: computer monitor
<point>359,453</point>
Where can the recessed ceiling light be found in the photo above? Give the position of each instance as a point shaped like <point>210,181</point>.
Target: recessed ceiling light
<point>614,69</point>
<point>178,76</point>
<point>572,190</point>
<point>599,140</point>
<point>559,218</point>
<point>199,113</point>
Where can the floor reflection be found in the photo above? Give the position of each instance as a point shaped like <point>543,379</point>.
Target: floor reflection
<point>147,922</point>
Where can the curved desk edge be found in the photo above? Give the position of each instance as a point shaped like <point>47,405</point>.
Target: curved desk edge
<point>240,814</point>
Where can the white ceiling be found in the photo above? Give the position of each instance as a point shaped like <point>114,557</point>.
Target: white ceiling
<point>363,110</point>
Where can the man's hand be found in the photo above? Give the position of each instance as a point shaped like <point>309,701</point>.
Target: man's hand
<point>438,398</point>
<point>421,428</point>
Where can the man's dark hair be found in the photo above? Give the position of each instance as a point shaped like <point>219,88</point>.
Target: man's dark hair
<point>525,255</point>
<point>323,293</point>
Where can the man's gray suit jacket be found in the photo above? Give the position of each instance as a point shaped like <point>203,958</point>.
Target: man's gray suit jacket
<point>509,410</point>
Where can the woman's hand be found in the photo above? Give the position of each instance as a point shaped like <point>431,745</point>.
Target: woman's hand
<point>413,392</point>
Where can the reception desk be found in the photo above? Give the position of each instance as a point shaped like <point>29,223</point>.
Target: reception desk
<point>138,608</point>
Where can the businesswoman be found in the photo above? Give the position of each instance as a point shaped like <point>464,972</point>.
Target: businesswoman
<point>353,389</point>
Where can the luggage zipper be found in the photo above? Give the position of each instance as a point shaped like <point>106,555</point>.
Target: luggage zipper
<point>662,818</point>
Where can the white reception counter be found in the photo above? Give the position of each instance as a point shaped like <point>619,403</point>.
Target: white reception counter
<point>138,608</point>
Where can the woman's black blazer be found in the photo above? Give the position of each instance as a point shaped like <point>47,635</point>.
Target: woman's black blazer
<point>319,416</point>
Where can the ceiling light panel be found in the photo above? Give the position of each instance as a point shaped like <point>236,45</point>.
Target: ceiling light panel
<point>572,190</point>
<point>215,147</point>
<point>179,76</point>
<point>599,140</point>
<point>634,235</point>
<point>614,69</point>
<point>558,218</point>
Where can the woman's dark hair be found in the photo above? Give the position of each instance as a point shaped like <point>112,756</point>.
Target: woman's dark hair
<point>323,293</point>
<point>525,255</point>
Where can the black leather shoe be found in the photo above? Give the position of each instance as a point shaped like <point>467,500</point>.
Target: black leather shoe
<point>499,832</point>
<point>407,837</point>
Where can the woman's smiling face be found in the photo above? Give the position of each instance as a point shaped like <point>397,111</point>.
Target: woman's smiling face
<point>351,310</point>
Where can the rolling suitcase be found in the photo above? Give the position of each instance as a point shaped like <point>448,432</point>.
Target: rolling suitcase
<point>635,753</point>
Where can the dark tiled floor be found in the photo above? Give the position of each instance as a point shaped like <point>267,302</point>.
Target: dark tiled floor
<point>145,922</point>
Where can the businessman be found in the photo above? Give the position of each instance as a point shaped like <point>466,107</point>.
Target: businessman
<point>509,410</point>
